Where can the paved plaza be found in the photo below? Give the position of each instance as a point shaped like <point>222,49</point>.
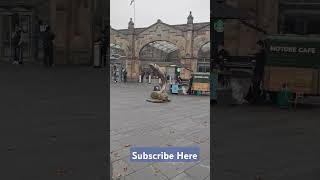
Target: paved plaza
<point>268,142</point>
<point>265,141</point>
<point>135,122</point>
<point>52,122</point>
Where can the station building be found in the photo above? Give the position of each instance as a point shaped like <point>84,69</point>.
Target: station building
<point>76,24</point>
<point>299,17</point>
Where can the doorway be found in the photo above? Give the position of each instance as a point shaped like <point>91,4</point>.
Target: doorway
<point>9,18</point>
<point>5,34</point>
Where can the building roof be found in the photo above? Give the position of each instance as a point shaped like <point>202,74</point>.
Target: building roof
<point>164,46</point>
<point>181,27</point>
<point>205,47</point>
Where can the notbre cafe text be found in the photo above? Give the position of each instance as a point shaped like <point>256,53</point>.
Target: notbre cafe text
<point>284,49</point>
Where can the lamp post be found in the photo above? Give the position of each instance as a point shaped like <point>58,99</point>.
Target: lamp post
<point>133,36</point>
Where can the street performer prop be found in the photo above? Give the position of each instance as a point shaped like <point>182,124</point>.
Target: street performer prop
<point>159,94</point>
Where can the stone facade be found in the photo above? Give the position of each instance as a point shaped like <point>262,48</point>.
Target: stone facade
<point>240,40</point>
<point>71,21</point>
<point>188,38</point>
<point>273,16</point>
<point>75,23</point>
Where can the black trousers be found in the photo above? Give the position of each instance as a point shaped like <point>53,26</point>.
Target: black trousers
<point>48,57</point>
<point>20,54</point>
<point>125,78</point>
<point>103,56</point>
<point>103,59</point>
<point>16,53</point>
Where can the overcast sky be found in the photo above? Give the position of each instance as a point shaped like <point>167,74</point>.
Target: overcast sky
<point>148,11</point>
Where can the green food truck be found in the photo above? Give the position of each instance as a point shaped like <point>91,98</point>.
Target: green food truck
<point>201,82</point>
<point>292,62</point>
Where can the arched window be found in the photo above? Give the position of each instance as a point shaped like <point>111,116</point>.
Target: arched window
<point>159,51</point>
<point>204,58</point>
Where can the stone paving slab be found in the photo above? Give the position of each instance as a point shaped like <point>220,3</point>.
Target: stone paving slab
<point>173,169</point>
<point>120,154</point>
<point>207,178</point>
<point>136,122</point>
<point>183,176</point>
<point>150,173</point>
<point>200,171</point>
<point>121,169</point>
<point>52,118</point>
<point>266,141</point>
<point>136,166</point>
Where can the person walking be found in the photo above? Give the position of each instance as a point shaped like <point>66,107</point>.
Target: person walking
<point>16,42</point>
<point>258,70</point>
<point>260,61</point>
<point>48,47</point>
<point>115,73</point>
<point>125,75</point>
<point>118,75</point>
<point>223,56</point>
<point>147,76</point>
<point>142,76</point>
<point>22,42</point>
<point>190,85</point>
<point>104,37</point>
<point>179,80</point>
<point>255,91</point>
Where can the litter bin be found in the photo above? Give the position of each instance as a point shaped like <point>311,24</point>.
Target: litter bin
<point>174,89</point>
<point>97,55</point>
<point>283,98</point>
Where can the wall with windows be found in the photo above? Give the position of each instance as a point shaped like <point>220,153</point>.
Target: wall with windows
<point>299,17</point>
<point>57,13</point>
<point>275,17</point>
<point>240,40</point>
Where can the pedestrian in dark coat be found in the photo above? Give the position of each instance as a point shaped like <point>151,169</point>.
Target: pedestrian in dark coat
<point>16,42</point>
<point>48,47</point>
<point>125,76</point>
<point>104,36</point>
